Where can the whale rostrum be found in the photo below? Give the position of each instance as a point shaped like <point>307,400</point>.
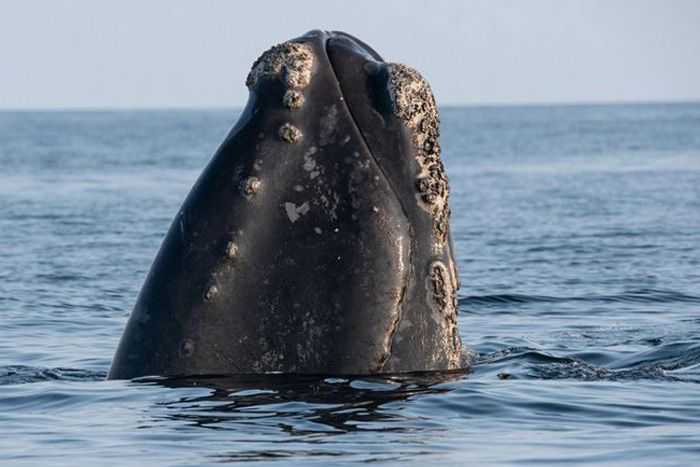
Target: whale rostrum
<point>317,238</point>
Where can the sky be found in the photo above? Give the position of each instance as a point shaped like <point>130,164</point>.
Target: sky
<point>129,54</point>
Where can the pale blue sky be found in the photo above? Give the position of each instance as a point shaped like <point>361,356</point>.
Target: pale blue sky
<point>142,54</point>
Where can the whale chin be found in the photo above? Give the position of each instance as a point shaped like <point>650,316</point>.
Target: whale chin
<point>317,238</point>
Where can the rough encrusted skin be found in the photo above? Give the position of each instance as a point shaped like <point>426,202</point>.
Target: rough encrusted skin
<point>291,61</point>
<point>293,99</point>
<point>290,133</point>
<point>441,288</point>
<point>231,249</point>
<point>250,186</point>
<point>415,105</point>
<point>442,292</point>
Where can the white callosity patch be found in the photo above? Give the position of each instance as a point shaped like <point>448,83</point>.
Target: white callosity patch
<point>442,299</point>
<point>290,133</point>
<point>231,249</point>
<point>212,292</point>
<point>414,104</point>
<point>290,61</point>
<point>441,291</point>
<point>293,99</point>
<point>250,186</point>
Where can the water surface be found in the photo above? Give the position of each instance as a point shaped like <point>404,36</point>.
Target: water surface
<point>577,231</point>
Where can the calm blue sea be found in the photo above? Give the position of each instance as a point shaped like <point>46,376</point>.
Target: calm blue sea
<point>577,231</point>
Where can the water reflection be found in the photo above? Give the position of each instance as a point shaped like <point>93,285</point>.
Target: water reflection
<point>301,405</point>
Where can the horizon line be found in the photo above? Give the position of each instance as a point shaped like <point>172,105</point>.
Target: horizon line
<point>476,105</point>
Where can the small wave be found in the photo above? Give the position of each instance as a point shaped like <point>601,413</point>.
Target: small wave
<point>20,374</point>
<point>506,299</point>
<point>677,361</point>
<point>672,356</point>
<point>582,371</point>
<point>521,355</point>
<point>631,296</point>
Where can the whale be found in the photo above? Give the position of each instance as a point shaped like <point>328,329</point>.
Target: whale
<point>317,239</point>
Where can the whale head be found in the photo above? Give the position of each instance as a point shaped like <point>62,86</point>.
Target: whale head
<point>317,238</point>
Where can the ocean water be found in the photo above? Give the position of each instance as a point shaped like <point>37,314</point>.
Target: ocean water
<point>577,231</point>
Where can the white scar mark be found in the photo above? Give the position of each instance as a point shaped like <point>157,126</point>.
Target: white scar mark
<point>294,212</point>
<point>182,226</point>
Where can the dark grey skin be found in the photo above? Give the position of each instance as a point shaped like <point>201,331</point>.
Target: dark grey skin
<point>317,239</point>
